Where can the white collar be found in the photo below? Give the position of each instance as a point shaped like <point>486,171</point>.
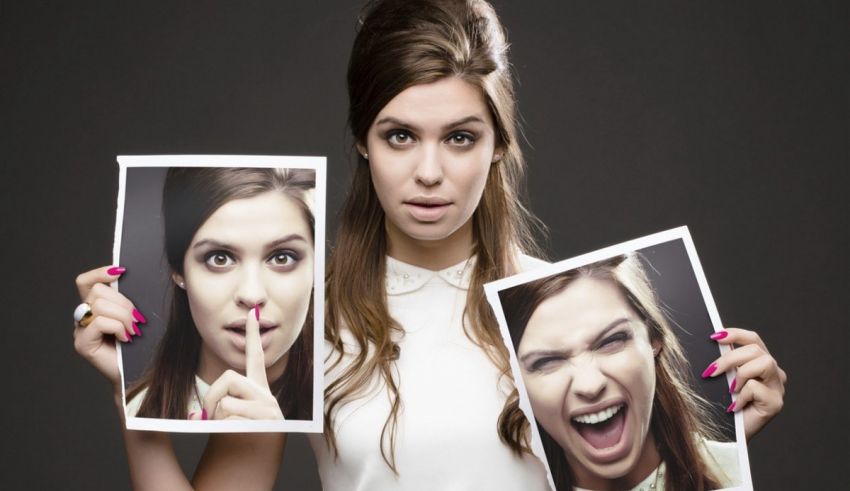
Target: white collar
<point>404,278</point>
<point>648,484</point>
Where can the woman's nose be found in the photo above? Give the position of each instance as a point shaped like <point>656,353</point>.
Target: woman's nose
<point>588,382</point>
<point>251,291</point>
<point>429,168</point>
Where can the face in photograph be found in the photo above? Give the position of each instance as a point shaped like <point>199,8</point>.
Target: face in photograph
<point>429,150</point>
<point>250,252</point>
<point>588,366</point>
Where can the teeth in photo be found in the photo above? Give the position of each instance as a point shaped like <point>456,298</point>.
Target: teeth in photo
<point>594,418</point>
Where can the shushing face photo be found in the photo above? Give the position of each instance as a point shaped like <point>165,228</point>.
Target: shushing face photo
<point>588,366</point>
<point>250,252</point>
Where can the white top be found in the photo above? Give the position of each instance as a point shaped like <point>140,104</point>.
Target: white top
<point>201,389</point>
<point>451,400</point>
<point>720,457</point>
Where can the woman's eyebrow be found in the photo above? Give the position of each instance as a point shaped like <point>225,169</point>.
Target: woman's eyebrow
<point>213,243</point>
<point>454,124</point>
<point>286,239</point>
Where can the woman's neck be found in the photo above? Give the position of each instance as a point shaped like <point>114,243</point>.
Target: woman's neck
<point>434,254</point>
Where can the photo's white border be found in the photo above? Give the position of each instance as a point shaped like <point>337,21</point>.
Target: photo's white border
<point>492,290</point>
<point>319,164</point>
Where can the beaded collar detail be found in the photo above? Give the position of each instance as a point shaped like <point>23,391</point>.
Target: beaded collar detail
<point>404,278</point>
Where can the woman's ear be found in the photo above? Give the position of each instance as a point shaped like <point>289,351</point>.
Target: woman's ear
<point>497,154</point>
<point>178,280</point>
<point>361,149</point>
<point>656,348</point>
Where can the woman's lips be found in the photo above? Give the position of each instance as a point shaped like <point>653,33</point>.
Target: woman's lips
<point>602,432</point>
<point>427,209</point>
<point>237,335</point>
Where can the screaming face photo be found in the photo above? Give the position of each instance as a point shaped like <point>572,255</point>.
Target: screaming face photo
<point>607,350</point>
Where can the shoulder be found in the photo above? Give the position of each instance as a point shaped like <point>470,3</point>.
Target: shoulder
<point>529,263</point>
<point>135,403</point>
<point>722,459</point>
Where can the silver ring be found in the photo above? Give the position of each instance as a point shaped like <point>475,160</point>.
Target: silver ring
<point>82,315</point>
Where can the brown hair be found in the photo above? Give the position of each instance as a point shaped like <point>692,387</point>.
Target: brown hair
<point>402,43</point>
<point>189,197</point>
<point>679,416</point>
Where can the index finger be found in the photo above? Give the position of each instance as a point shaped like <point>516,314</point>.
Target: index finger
<point>87,280</point>
<point>741,337</point>
<point>255,362</point>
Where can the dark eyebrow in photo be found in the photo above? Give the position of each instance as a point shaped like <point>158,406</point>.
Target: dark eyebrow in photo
<point>286,239</point>
<point>271,245</point>
<point>610,327</point>
<point>213,243</point>
<point>453,124</point>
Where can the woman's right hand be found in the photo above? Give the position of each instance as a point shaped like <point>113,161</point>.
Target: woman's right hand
<point>113,317</point>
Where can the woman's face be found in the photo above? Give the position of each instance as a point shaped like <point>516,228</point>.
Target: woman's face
<point>430,150</point>
<point>588,365</point>
<point>252,251</point>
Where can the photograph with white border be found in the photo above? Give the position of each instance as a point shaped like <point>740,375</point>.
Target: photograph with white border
<point>611,352</point>
<point>224,258</point>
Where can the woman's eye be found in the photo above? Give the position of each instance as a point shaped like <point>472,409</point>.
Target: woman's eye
<point>219,259</point>
<point>544,364</point>
<point>399,138</point>
<point>462,139</point>
<point>614,342</point>
<point>283,259</point>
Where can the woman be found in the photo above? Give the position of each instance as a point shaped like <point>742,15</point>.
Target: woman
<point>239,243</point>
<point>609,384</point>
<point>418,392</point>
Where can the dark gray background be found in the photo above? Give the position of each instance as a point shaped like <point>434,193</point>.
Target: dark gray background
<point>729,117</point>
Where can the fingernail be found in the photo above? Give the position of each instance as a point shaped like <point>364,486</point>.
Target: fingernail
<point>733,385</point>
<point>719,335</point>
<point>710,370</point>
<point>257,312</point>
<point>139,317</point>
<point>136,329</point>
<point>116,270</point>
<point>204,414</point>
<point>191,413</point>
<point>731,407</point>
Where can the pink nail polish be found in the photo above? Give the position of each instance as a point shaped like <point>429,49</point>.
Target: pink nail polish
<point>116,271</point>
<point>203,414</point>
<point>139,317</point>
<point>733,385</point>
<point>709,371</point>
<point>731,407</point>
<point>136,329</point>
<point>719,335</point>
<point>257,312</point>
<point>190,415</point>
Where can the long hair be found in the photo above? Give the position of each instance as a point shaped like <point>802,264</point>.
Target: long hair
<point>402,43</point>
<point>680,417</point>
<point>189,197</point>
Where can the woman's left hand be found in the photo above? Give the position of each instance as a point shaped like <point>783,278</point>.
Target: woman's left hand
<point>237,396</point>
<point>759,382</point>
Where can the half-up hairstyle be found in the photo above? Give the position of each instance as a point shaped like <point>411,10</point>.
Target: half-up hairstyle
<point>402,43</point>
